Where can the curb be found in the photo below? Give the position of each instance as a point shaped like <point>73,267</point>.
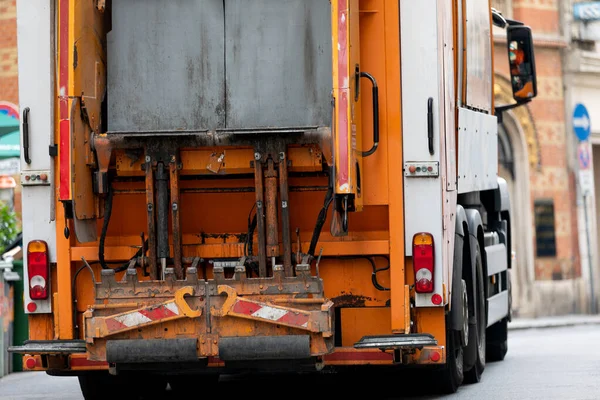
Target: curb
<point>544,323</point>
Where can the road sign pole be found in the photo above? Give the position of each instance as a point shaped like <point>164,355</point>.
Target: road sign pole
<point>582,129</point>
<point>589,254</point>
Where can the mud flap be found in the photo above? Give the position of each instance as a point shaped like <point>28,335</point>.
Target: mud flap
<point>151,350</point>
<point>292,347</point>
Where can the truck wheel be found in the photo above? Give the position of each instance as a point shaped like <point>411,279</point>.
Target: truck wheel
<point>476,350</point>
<point>102,385</point>
<point>183,384</point>
<point>452,375</point>
<point>99,385</point>
<point>497,345</point>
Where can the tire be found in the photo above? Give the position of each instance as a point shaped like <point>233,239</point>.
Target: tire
<point>452,375</point>
<point>476,350</point>
<point>102,385</point>
<point>183,384</point>
<point>497,345</point>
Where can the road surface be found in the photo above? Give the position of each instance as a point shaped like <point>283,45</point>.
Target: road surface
<point>553,363</point>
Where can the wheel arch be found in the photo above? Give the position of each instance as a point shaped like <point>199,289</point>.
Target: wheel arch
<point>460,254</point>
<point>474,225</point>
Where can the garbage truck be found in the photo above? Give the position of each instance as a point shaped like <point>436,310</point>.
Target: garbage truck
<point>219,186</point>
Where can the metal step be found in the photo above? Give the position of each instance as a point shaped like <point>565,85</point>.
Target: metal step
<point>401,341</point>
<point>49,347</point>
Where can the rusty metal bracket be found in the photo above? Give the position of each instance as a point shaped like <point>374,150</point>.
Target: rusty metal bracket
<point>178,307</point>
<point>317,321</point>
<point>103,150</point>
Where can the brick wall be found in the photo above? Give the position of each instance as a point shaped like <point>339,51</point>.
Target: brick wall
<point>552,179</point>
<point>8,52</point>
<point>9,85</point>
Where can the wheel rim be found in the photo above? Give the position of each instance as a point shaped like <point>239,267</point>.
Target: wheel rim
<point>465,312</point>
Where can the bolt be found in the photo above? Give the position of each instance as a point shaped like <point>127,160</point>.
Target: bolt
<point>149,206</point>
<point>148,159</point>
<point>259,204</point>
<point>172,159</point>
<point>284,204</point>
<point>174,206</point>
<point>282,156</point>
<point>257,156</point>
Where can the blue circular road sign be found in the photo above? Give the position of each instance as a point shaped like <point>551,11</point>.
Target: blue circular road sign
<point>581,122</point>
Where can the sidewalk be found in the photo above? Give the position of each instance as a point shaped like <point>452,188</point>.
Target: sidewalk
<point>553,322</point>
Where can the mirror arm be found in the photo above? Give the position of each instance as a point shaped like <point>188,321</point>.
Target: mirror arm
<point>501,109</point>
<point>501,21</point>
<point>512,22</point>
<point>498,19</point>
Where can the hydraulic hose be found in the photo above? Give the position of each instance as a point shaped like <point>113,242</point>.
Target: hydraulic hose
<point>107,213</point>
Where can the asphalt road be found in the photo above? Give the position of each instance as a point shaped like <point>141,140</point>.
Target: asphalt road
<point>553,363</point>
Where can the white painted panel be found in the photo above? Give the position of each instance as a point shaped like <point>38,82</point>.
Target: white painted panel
<point>421,80</point>
<point>477,151</point>
<point>479,55</point>
<point>35,38</point>
<point>497,307</point>
<point>461,54</point>
<point>449,89</point>
<point>497,259</point>
<point>449,153</point>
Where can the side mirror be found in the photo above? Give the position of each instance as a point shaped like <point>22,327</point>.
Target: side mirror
<point>522,62</point>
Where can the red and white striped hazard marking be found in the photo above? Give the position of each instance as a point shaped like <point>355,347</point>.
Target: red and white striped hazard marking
<point>265,312</point>
<point>144,316</point>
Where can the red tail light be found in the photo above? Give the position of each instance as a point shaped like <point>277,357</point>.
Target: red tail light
<point>38,269</point>
<point>423,262</point>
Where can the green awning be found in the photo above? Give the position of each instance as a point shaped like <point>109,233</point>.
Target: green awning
<point>10,137</point>
<point>5,130</point>
<point>10,144</point>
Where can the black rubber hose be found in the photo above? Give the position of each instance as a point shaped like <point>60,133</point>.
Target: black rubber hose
<point>251,229</point>
<point>320,222</point>
<point>370,259</point>
<point>251,226</point>
<point>322,217</point>
<point>107,212</point>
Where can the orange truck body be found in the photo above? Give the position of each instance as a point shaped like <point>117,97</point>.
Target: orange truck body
<point>273,236</point>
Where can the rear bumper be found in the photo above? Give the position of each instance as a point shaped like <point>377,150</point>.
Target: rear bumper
<point>221,322</point>
<point>74,363</point>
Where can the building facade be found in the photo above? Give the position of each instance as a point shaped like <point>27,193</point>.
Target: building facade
<point>9,109</point>
<point>582,83</point>
<point>536,159</point>
<point>9,89</point>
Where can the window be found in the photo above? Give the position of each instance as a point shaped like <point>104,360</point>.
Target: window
<point>545,235</point>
